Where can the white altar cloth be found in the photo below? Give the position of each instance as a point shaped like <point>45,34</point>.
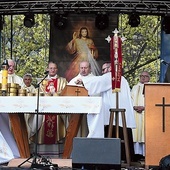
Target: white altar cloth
<point>48,104</point>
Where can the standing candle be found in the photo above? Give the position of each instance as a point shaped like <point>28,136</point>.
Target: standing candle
<point>4,77</point>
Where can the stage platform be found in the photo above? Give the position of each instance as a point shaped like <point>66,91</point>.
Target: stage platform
<point>63,164</point>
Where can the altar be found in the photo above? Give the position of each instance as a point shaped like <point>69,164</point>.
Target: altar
<point>15,106</point>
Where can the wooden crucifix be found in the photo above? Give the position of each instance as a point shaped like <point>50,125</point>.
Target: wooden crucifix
<point>157,106</point>
<point>77,91</point>
<point>163,105</point>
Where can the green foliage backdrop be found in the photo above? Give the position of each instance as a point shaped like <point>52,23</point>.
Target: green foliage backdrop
<point>29,47</point>
<point>141,49</point>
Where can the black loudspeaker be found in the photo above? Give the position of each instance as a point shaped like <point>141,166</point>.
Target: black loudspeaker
<point>96,153</point>
<point>130,138</point>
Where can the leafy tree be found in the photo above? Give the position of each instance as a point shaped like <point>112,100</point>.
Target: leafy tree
<point>141,47</point>
<point>29,47</point>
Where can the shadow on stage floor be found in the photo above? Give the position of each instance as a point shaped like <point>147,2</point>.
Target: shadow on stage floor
<point>66,164</point>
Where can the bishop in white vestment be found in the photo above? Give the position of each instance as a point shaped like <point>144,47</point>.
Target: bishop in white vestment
<point>102,85</point>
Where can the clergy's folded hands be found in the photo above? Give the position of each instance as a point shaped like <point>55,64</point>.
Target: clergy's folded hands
<point>139,109</point>
<point>79,81</point>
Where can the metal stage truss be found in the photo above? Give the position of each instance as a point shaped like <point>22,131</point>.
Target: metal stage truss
<point>155,7</point>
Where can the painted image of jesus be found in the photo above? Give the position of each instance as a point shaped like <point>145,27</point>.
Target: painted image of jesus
<point>82,48</point>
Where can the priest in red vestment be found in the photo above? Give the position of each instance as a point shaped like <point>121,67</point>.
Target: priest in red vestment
<point>51,127</point>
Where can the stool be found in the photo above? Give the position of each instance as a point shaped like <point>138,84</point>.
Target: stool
<point>125,134</point>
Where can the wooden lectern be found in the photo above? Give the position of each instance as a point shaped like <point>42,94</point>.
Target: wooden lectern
<point>157,122</point>
<point>75,119</point>
<point>74,91</point>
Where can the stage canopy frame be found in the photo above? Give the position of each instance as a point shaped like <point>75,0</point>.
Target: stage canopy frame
<point>151,7</point>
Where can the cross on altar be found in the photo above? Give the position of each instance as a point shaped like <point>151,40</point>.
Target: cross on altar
<point>77,91</point>
<point>163,105</point>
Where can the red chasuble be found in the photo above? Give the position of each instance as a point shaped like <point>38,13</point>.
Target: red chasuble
<point>116,62</point>
<point>50,123</point>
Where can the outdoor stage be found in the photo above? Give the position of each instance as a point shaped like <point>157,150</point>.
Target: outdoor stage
<point>63,164</point>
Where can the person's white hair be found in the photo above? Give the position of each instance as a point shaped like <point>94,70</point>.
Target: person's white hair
<point>27,74</point>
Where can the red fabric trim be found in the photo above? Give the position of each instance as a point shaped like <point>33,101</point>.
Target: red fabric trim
<point>116,62</point>
<point>52,85</point>
<point>50,128</point>
<point>50,123</point>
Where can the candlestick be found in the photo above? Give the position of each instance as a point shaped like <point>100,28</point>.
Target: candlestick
<point>4,77</point>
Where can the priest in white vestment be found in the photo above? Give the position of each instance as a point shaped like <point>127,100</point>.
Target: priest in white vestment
<point>139,110</point>
<point>12,77</point>
<point>30,89</point>
<point>27,79</point>
<point>103,85</point>
<point>84,71</point>
<point>4,118</point>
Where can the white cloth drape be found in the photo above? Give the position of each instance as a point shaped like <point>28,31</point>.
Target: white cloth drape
<point>5,124</point>
<point>7,137</point>
<point>102,84</point>
<point>5,151</point>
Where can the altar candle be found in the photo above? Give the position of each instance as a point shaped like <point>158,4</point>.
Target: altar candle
<point>4,79</point>
<point>4,75</point>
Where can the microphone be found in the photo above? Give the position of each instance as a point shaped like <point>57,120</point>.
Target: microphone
<point>164,62</point>
<point>46,72</point>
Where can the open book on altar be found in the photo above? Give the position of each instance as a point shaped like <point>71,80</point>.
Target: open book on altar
<point>71,90</point>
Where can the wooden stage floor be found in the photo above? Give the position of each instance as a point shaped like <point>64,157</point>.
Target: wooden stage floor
<point>63,164</point>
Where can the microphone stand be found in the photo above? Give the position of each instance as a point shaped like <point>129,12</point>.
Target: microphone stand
<point>44,163</point>
<point>36,155</point>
